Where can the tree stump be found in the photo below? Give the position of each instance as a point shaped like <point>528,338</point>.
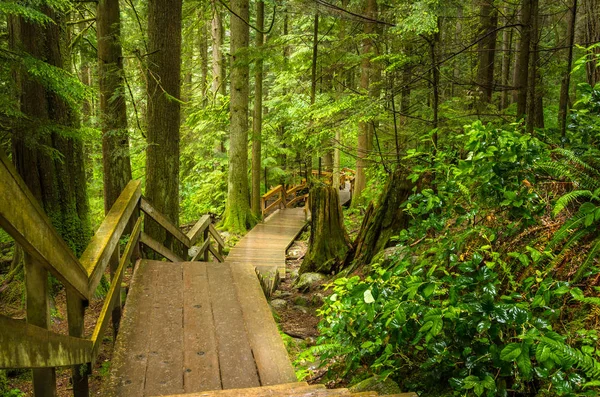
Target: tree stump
<point>381,222</point>
<point>329,242</point>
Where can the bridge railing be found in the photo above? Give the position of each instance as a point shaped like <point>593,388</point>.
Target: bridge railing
<point>31,344</point>
<point>282,196</point>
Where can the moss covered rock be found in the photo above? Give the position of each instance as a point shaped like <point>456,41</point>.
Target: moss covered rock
<point>376,384</point>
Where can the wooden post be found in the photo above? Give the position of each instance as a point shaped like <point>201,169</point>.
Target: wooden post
<point>319,167</point>
<point>206,237</point>
<point>75,315</point>
<point>266,185</point>
<point>116,311</point>
<point>38,313</point>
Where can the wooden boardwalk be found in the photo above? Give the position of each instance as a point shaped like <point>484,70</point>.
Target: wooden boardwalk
<point>200,326</point>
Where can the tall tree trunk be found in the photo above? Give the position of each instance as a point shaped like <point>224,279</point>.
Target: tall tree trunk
<point>113,109</point>
<point>488,22</point>
<point>313,80</point>
<point>203,52</point>
<point>532,100</point>
<point>566,80</point>
<point>258,109</point>
<point>163,118</point>
<point>507,38</point>
<point>364,128</point>
<point>237,215</point>
<point>591,36</point>
<point>218,67</point>
<point>522,62</point>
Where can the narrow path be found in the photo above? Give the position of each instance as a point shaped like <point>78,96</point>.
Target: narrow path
<point>199,326</point>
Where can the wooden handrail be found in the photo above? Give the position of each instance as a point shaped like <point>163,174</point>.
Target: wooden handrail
<point>272,192</point>
<point>96,256</point>
<point>22,217</point>
<point>198,229</point>
<point>164,222</point>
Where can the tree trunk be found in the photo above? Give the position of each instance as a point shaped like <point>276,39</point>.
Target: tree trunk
<point>522,63</point>
<point>381,221</point>
<point>238,217</point>
<point>328,242</point>
<point>488,22</point>
<point>507,38</point>
<point>258,109</point>
<point>566,80</point>
<point>113,109</point>
<point>203,50</point>
<point>533,117</point>
<point>591,36</point>
<point>164,88</point>
<point>364,129</point>
<point>218,67</point>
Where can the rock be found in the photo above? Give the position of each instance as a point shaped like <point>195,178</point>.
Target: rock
<point>317,299</point>
<point>308,281</point>
<point>293,274</point>
<point>392,255</point>
<point>378,385</point>
<point>301,301</point>
<point>278,304</point>
<point>301,309</point>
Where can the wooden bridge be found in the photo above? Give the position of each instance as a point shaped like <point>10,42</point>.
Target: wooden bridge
<point>203,328</point>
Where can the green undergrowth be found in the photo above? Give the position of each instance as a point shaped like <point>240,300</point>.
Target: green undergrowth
<point>492,288</point>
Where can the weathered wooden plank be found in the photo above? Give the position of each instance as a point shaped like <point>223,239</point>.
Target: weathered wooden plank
<point>272,205</point>
<point>277,189</point>
<point>296,200</point>
<point>130,358</point>
<point>270,354</point>
<point>23,218</point>
<point>164,222</point>
<point>198,229</point>
<point>75,317</point>
<point>24,345</point>
<point>237,365</point>
<point>159,248</point>
<point>115,289</point>
<point>98,253</point>
<point>200,358</point>
<point>275,390</point>
<point>216,235</point>
<point>165,359</point>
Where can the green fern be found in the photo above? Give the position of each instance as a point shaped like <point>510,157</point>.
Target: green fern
<point>588,261</point>
<point>571,356</point>
<point>568,199</point>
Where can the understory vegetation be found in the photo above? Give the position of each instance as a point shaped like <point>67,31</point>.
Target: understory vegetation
<point>490,290</point>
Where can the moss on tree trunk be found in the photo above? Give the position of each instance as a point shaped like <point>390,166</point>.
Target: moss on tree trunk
<point>329,242</point>
<point>381,222</point>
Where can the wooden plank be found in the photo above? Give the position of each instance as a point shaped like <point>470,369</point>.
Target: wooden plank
<point>276,390</point>
<point>130,357</point>
<point>23,219</point>
<point>164,222</point>
<point>114,292</point>
<point>270,354</point>
<point>200,358</point>
<point>24,345</point>
<point>165,360</point>
<point>159,248</point>
<point>216,235</point>
<point>272,192</point>
<point>238,369</point>
<point>272,205</point>
<point>198,229</point>
<point>98,253</point>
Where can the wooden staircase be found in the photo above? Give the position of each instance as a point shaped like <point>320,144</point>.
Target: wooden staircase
<point>297,389</point>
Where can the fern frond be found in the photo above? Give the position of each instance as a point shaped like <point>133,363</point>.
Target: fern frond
<point>588,261</point>
<point>575,238</point>
<point>569,198</point>
<point>576,159</point>
<point>571,356</point>
<point>565,230</point>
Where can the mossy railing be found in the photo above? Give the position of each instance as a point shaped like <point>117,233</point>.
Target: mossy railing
<point>31,344</point>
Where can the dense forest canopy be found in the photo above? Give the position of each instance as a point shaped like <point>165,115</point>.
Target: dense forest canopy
<point>472,127</point>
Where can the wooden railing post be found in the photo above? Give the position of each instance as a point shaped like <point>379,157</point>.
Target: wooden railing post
<point>75,315</point>
<point>116,311</point>
<point>38,313</point>
<point>206,237</point>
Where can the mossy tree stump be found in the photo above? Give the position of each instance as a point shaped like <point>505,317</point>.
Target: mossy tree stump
<point>329,242</point>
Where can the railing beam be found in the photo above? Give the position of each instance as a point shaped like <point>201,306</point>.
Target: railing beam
<point>75,315</point>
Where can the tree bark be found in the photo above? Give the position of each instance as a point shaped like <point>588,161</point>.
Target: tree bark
<point>258,109</point>
<point>218,67</point>
<point>522,62</point>
<point>592,35</point>
<point>113,109</point>
<point>328,242</point>
<point>238,217</point>
<point>488,22</point>
<point>533,105</point>
<point>507,39</point>
<point>364,128</point>
<point>381,221</point>
<point>163,117</point>
<point>566,80</point>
